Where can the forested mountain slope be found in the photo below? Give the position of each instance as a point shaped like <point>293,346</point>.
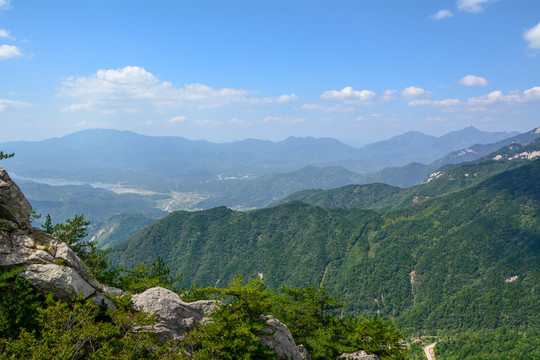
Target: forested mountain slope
<point>468,259</point>
<point>445,180</point>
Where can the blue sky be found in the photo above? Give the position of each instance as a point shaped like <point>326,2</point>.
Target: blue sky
<point>226,70</point>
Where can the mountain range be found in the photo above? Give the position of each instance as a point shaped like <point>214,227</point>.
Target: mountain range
<point>466,259</point>
<point>172,163</point>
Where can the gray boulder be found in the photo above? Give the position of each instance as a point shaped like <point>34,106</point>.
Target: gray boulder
<point>280,339</point>
<point>174,317</point>
<point>14,207</point>
<point>63,281</point>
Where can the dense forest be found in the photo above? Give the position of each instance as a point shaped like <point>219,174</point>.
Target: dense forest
<point>463,261</point>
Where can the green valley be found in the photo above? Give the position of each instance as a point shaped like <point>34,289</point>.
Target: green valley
<point>464,260</point>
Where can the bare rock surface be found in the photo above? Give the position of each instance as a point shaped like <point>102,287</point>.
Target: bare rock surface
<point>14,207</point>
<point>280,339</point>
<point>174,317</point>
<point>49,264</point>
<point>358,355</point>
<point>63,281</point>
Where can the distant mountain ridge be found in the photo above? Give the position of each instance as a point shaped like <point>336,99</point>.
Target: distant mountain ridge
<point>451,177</point>
<point>165,163</point>
<point>415,146</point>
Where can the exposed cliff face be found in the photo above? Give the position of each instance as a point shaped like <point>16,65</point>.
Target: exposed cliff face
<point>52,267</point>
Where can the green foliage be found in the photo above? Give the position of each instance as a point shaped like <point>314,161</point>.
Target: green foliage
<point>18,304</point>
<point>308,313</point>
<point>48,227</point>
<point>305,310</point>
<point>144,277</point>
<point>500,344</point>
<point>70,331</point>
<point>5,156</point>
<point>236,327</point>
<point>72,232</point>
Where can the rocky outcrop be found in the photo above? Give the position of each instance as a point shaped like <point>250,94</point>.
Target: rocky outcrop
<point>280,339</point>
<point>15,210</point>
<point>49,264</point>
<point>358,355</point>
<point>174,317</point>
<point>52,267</point>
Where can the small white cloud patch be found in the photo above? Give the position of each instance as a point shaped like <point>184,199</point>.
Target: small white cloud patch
<point>425,102</point>
<point>348,95</point>
<point>434,119</point>
<point>441,14</point>
<point>9,51</point>
<point>4,4</point>
<point>512,97</point>
<point>472,80</point>
<point>413,91</point>
<point>328,108</point>
<point>5,34</point>
<point>532,36</point>
<point>6,104</point>
<point>177,120</point>
<point>471,5</point>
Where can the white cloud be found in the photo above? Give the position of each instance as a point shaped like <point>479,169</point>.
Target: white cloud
<point>281,119</point>
<point>425,102</point>
<point>512,97</point>
<point>533,37</point>
<point>5,104</point>
<point>375,118</point>
<point>5,34</point>
<point>4,4</point>
<point>388,95</point>
<point>273,119</point>
<point>472,80</point>
<point>441,14</point>
<point>328,108</point>
<point>435,119</point>
<point>177,120</point>
<point>472,5</point>
<point>413,91</point>
<point>269,100</point>
<point>146,123</point>
<point>133,88</point>
<point>9,51</point>
<point>349,96</point>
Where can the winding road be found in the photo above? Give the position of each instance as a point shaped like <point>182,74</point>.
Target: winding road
<point>428,350</point>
